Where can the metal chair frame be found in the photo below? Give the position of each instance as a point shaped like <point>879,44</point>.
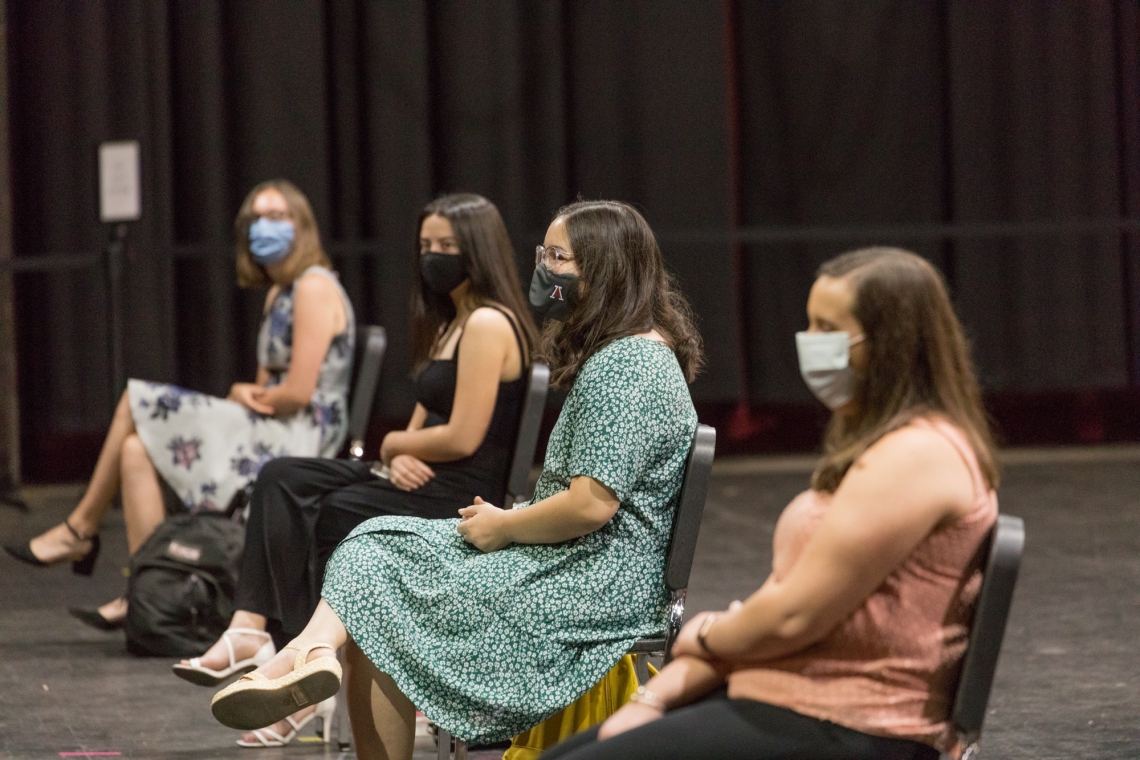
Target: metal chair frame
<point>995,598</point>
<point>678,565</point>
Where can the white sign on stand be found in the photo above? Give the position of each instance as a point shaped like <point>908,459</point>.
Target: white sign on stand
<point>119,191</point>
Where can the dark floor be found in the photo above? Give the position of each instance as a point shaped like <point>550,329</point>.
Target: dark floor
<point>1068,685</point>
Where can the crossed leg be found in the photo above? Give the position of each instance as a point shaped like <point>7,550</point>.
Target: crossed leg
<point>383,720</point>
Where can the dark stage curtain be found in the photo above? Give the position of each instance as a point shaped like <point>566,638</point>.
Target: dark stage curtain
<point>825,113</point>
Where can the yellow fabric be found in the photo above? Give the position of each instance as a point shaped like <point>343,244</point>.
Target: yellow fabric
<point>597,704</point>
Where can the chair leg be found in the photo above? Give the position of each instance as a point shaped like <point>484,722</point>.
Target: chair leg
<point>641,666</point>
<point>343,725</point>
<point>443,739</point>
<point>460,749</point>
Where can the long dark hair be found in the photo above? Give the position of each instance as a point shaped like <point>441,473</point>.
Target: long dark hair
<point>624,289</point>
<point>918,361</point>
<point>490,262</point>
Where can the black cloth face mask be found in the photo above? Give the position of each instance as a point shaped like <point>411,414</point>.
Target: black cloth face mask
<point>442,272</point>
<point>553,295</point>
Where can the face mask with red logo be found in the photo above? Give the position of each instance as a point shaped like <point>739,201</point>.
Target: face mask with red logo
<point>553,295</point>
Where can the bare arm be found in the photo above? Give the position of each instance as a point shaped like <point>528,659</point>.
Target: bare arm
<point>249,394</point>
<point>419,416</point>
<point>892,498</point>
<point>487,346</point>
<point>318,317</point>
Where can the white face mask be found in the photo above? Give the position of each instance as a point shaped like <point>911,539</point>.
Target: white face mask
<point>825,363</point>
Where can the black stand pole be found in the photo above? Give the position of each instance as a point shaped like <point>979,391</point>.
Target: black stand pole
<point>10,495</point>
<point>116,251</point>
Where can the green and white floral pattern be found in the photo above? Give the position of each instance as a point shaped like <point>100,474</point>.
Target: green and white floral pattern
<point>488,645</point>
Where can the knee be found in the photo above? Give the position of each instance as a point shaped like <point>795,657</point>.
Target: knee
<point>133,451</point>
<point>123,410</point>
<point>274,470</point>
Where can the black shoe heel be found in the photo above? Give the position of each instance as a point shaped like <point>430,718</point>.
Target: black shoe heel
<point>86,566</point>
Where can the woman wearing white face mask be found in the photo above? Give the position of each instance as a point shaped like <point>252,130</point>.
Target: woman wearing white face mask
<point>207,448</point>
<point>852,646</point>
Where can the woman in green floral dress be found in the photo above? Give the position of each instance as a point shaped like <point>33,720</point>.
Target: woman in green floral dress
<point>492,622</point>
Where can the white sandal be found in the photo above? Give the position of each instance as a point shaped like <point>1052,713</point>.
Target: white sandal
<point>267,737</point>
<point>197,673</point>
<point>254,701</point>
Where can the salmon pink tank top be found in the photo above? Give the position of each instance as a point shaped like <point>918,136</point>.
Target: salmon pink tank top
<point>891,667</point>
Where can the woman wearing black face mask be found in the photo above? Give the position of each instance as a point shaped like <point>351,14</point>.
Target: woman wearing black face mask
<point>471,335</point>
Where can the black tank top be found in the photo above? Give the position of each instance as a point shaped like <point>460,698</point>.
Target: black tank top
<point>485,471</point>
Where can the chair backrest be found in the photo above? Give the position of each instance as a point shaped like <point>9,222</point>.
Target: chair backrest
<point>372,342</point>
<point>994,599</point>
<point>530,421</point>
<point>690,508</point>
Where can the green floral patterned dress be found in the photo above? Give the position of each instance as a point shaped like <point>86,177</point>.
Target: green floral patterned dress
<point>488,645</point>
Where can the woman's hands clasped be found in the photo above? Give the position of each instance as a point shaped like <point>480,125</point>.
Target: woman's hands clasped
<point>408,473</point>
<point>250,396</point>
<point>485,526</point>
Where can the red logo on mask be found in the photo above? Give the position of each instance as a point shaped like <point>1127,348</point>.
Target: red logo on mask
<point>557,293</point>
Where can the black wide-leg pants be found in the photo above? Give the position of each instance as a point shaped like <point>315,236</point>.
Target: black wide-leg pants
<point>300,510</point>
<point>719,728</point>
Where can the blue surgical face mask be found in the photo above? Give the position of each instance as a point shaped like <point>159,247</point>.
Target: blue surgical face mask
<point>825,363</point>
<point>270,240</point>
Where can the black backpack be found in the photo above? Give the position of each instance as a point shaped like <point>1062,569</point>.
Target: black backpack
<point>182,585</point>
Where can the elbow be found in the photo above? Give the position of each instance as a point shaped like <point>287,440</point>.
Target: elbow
<point>289,400</point>
<point>801,628</point>
<point>598,515</point>
<point>463,443</point>
<point>463,448</point>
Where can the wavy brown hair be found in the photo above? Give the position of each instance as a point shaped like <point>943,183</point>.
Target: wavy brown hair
<point>918,361</point>
<point>307,250</point>
<point>624,289</point>
<point>491,271</point>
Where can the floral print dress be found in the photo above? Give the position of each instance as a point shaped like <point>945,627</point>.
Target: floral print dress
<point>207,448</point>
<point>488,645</point>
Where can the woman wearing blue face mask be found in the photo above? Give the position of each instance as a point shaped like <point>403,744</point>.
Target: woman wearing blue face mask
<point>207,448</point>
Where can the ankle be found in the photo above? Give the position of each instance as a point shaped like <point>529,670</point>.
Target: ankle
<point>85,528</point>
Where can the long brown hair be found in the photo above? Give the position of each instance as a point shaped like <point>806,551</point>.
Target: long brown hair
<point>307,250</point>
<point>918,361</point>
<point>491,272</point>
<point>624,289</point>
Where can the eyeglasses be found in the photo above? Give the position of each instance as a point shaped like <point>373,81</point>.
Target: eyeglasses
<point>550,255</point>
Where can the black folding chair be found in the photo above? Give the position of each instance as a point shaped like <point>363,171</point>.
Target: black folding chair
<point>682,547</point>
<point>987,631</point>
<point>678,564</point>
<point>372,342</point>
<point>530,421</point>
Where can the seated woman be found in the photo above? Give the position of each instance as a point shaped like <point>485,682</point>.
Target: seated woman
<point>472,334</point>
<point>206,448</point>
<point>493,622</point>
<point>852,646</point>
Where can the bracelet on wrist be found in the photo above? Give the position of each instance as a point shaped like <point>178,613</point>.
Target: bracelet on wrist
<point>648,698</point>
<point>703,632</point>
